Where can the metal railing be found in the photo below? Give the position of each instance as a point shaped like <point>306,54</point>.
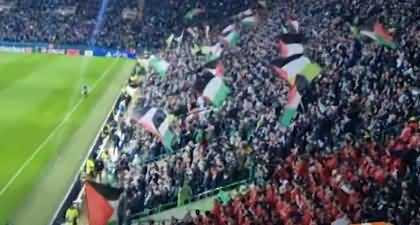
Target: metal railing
<point>138,217</point>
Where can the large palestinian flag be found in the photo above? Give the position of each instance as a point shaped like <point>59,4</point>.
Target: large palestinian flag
<point>290,44</point>
<point>212,88</point>
<point>101,202</point>
<point>380,35</point>
<point>287,68</point>
<point>159,65</point>
<point>156,121</point>
<point>290,110</point>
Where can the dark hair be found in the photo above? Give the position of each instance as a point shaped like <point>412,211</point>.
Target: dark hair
<point>197,212</point>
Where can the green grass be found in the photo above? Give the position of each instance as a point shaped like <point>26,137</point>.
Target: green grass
<point>37,92</point>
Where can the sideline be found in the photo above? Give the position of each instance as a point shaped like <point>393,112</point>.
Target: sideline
<point>54,131</point>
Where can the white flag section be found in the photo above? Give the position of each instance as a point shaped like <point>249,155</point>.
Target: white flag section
<point>216,91</point>
<point>296,66</point>
<point>369,34</point>
<point>287,50</point>
<point>229,28</point>
<point>247,12</point>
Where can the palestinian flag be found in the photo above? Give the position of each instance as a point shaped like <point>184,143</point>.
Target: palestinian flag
<point>156,121</point>
<point>101,202</point>
<point>288,68</point>
<point>293,23</point>
<point>250,21</point>
<point>290,44</point>
<point>213,53</point>
<point>232,39</point>
<point>193,13</point>
<point>212,88</point>
<point>380,35</point>
<point>159,65</point>
<point>216,68</point>
<point>290,110</point>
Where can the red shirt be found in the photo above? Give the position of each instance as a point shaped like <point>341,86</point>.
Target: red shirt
<point>323,174</point>
<point>333,210</point>
<point>245,221</point>
<point>217,210</point>
<point>283,209</point>
<point>406,133</point>
<point>300,168</point>
<point>270,195</point>
<point>332,162</point>
<point>259,211</point>
<point>307,218</point>
<point>353,199</point>
<point>252,197</point>
<point>380,175</point>
<point>414,141</point>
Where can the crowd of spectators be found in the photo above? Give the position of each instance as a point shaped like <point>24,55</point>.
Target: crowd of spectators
<point>73,22</point>
<point>342,157</point>
<point>209,151</point>
<point>359,182</point>
<point>345,155</point>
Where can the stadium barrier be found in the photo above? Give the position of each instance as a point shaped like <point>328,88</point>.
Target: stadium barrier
<point>71,50</point>
<point>137,218</point>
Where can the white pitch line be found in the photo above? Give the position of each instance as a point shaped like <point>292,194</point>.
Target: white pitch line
<point>53,132</point>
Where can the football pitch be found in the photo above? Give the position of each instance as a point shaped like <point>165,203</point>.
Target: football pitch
<point>47,126</point>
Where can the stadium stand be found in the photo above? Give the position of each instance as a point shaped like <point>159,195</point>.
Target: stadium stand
<point>127,23</point>
<point>336,160</point>
<point>337,146</point>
